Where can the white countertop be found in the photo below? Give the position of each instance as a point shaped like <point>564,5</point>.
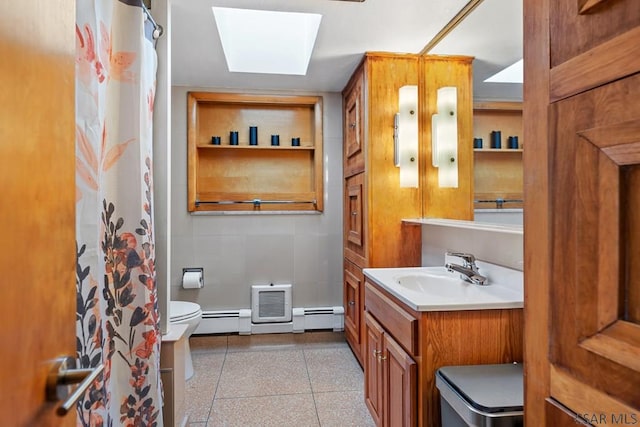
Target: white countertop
<point>435,289</point>
<point>470,225</point>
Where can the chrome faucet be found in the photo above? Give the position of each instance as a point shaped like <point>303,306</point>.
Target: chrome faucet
<point>468,270</point>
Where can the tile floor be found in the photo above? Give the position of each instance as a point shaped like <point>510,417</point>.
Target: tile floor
<point>297,380</point>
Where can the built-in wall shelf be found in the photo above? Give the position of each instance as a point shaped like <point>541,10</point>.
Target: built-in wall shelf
<point>260,178</point>
<point>498,172</point>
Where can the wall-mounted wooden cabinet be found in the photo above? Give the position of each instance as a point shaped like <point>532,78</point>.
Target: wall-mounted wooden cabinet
<point>261,177</point>
<point>374,203</point>
<point>498,172</point>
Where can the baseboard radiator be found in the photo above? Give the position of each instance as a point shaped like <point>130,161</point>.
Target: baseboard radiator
<point>302,319</point>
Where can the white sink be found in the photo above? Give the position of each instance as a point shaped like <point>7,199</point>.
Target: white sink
<point>431,280</point>
<point>436,289</point>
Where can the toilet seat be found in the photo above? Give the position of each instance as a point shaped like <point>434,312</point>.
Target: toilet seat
<point>180,311</point>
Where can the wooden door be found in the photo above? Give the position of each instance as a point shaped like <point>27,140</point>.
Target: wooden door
<point>373,372</point>
<point>582,227</point>
<point>37,177</point>
<point>353,290</point>
<point>355,235</point>
<point>596,242</point>
<point>354,125</point>
<point>399,385</point>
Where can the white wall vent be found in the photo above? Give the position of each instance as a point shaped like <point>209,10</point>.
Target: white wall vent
<point>270,303</point>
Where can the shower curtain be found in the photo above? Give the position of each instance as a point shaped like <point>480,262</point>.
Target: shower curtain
<point>117,310</point>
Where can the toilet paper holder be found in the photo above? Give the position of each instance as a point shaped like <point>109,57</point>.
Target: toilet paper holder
<point>199,270</point>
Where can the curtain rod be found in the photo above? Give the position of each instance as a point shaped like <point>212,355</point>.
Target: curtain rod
<point>157,28</point>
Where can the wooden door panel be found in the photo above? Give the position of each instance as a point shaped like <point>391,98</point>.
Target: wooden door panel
<point>37,177</point>
<point>373,381</point>
<point>580,25</point>
<point>354,221</point>
<point>353,307</point>
<point>595,165</point>
<point>400,386</point>
<point>354,127</point>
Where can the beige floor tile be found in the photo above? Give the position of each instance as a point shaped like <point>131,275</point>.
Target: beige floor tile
<point>208,343</point>
<point>263,373</point>
<point>201,387</point>
<point>297,410</point>
<point>261,342</point>
<point>333,369</point>
<point>342,409</point>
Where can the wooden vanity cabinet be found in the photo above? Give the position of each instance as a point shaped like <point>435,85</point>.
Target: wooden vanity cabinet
<point>374,202</point>
<point>390,380</point>
<point>405,348</point>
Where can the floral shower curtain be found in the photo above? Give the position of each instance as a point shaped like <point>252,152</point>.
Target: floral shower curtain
<point>117,310</point>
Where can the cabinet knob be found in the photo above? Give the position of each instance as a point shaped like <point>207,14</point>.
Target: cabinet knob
<point>381,358</point>
<point>352,125</point>
<point>354,213</point>
<point>376,353</point>
<point>352,303</point>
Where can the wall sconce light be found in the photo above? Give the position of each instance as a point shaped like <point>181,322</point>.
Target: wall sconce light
<point>405,136</point>
<point>444,137</point>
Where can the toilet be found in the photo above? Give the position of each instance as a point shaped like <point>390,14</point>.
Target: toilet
<point>189,313</point>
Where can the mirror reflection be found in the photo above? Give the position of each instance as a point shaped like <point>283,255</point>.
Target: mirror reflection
<point>498,141</point>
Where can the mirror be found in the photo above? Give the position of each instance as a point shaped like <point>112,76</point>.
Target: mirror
<point>497,106</point>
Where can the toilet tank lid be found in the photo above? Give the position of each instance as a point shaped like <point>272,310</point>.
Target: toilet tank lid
<point>182,309</point>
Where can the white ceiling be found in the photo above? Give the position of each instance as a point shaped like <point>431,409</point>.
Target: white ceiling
<point>492,34</point>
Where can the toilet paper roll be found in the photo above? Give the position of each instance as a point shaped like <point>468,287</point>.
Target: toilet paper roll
<point>192,280</point>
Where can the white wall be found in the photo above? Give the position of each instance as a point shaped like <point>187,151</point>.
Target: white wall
<point>490,245</point>
<point>237,251</point>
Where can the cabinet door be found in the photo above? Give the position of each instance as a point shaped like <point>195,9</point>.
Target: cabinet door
<point>595,331</point>
<point>373,381</point>
<point>582,116</point>
<point>399,385</point>
<point>354,222</point>
<point>354,127</point>
<point>353,289</point>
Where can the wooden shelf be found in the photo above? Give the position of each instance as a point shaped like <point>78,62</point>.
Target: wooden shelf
<point>254,147</point>
<point>498,174</point>
<point>254,178</point>
<point>497,150</point>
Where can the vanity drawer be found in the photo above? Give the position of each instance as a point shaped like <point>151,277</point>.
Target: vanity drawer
<point>397,321</point>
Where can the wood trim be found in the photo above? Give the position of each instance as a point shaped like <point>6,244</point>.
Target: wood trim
<point>318,158</point>
<point>596,66</point>
<point>192,152</point>
<point>537,235</point>
<point>451,25</point>
<point>402,326</point>
<point>498,105</point>
<point>256,99</point>
<point>587,6</point>
<point>581,398</point>
<point>620,343</point>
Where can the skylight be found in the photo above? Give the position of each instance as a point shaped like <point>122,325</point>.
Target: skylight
<point>512,74</point>
<point>262,41</point>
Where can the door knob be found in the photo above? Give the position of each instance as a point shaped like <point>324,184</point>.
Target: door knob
<point>61,375</point>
